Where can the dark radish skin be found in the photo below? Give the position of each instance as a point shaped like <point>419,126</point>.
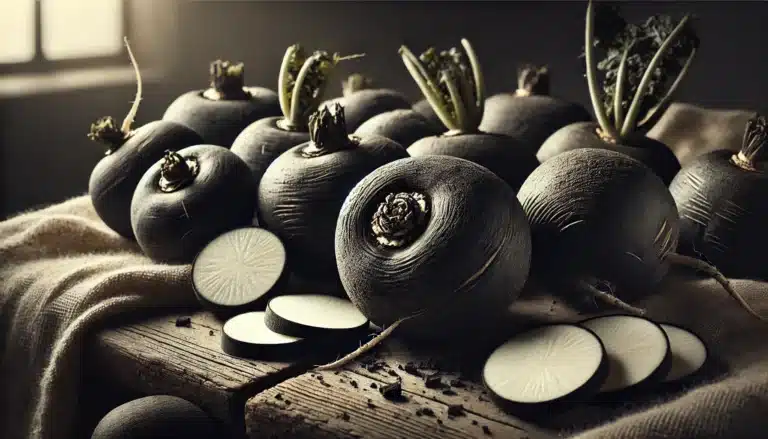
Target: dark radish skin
<point>604,228</point>
<point>530,114</point>
<point>453,84</point>
<point>302,84</point>
<point>424,108</point>
<point>222,111</point>
<point>302,191</point>
<point>130,152</point>
<point>721,200</point>
<point>433,246</point>
<point>361,100</point>
<point>189,198</point>
<point>403,126</point>
<point>640,62</point>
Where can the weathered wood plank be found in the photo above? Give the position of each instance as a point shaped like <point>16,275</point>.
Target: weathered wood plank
<point>154,355</point>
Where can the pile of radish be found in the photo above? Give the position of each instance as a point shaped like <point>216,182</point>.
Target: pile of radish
<point>430,218</point>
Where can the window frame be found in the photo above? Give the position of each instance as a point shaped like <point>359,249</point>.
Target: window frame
<point>39,64</point>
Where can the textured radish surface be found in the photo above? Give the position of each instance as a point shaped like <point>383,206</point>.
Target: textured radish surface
<point>238,267</point>
<point>636,349</point>
<point>688,352</point>
<point>315,311</point>
<point>544,364</point>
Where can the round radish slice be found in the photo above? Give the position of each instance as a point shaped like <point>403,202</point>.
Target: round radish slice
<point>246,335</point>
<point>638,350</point>
<point>689,353</point>
<point>545,365</point>
<point>313,315</point>
<point>238,268</point>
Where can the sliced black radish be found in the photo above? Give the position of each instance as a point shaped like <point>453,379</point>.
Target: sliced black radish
<point>238,268</point>
<point>313,315</point>
<point>689,353</point>
<point>547,364</point>
<point>638,350</point>
<point>246,335</point>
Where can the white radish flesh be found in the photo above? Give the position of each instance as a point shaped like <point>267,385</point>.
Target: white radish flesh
<point>544,364</point>
<point>688,352</point>
<point>637,349</point>
<point>246,335</point>
<point>238,267</point>
<point>306,315</point>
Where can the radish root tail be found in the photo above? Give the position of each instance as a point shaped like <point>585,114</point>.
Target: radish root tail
<point>699,265</point>
<point>129,119</point>
<point>610,299</point>
<point>375,341</point>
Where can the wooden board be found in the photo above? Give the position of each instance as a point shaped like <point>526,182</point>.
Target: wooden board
<point>155,356</point>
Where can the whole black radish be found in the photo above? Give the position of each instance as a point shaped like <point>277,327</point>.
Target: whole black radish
<point>452,81</point>
<point>130,152</point>
<point>189,198</point>
<point>647,62</point>
<point>362,100</point>
<point>721,197</point>
<point>434,246</point>
<point>301,84</point>
<point>604,227</point>
<point>530,114</point>
<point>220,112</point>
<point>155,417</point>
<point>404,126</point>
<point>302,191</point>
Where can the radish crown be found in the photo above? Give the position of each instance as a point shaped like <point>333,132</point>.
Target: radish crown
<point>532,80</point>
<point>355,82</point>
<point>640,62</point>
<point>328,132</point>
<point>176,171</point>
<point>227,82</point>
<point>453,84</point>
<point>753,149</point>
<point>302,83</point>
<point>400,219</point>
<point>105,129</point>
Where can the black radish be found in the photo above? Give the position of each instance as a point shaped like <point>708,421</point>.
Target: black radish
<point>604,227</point>
<point>434,245</point>
<point>189,198</point>
<point>130,152</point>
<point>403,126</point>
<point>313,316</point>
<point>530,114</point>
<point>156,416</point>
<point>424,108</point>
<point>549,364</point>
<point>638,351</point>
<point>452,82</point>
<point>302,191</point>
<point>238,269</point>
<point>641,61</point>
<point>246,335</point>
<point>301,86</point>
<point>723,211</point>
<point>362,100</point>
<point>220,112</point>
<point>689,353</point>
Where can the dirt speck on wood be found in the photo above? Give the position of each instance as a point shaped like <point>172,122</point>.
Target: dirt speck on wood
<point>449,392</point>
<point>455,410</point>
<point>486,430</point>
<point>344,416</point>
<point>184,322</point>
<point>433,381</point>
<point>425,411</point>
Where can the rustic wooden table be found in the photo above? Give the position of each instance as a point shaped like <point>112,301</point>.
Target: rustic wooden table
<point>160,355</point>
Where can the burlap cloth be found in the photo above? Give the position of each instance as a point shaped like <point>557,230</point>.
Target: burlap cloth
<point>63,273</point>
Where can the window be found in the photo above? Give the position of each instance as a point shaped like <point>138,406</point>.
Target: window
<point>41,35</point>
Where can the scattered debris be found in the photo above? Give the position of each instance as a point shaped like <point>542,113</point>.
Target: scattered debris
<point>433,381</point>
<point>457,383</point>
<point>440,421</point>
<point>371,405</point>
<point>184,321</point>
<point>210,332</point>
<point>411,368</point>
<point>374,386</point>
<point>392,391</point>
<point>344,416</point>
<point>392,373</point>
<point>449,392</point>
<point>425,411</point>
<point>455,410</point>
<point>279,396</point>
<point>474,422</point>
<point>486,430</point>
<point>353,383</point>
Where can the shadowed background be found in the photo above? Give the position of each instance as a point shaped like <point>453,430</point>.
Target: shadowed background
<point>45,155</point>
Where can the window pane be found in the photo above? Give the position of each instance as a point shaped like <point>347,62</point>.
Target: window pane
<point>81,28</point>
<point>17,31</point>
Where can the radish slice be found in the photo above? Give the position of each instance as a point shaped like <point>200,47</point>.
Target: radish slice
<point>546,364</point>
<point>238,268</point>
<point>313,315</point>
<point>638,350</point>
<point>689,353</point>
<point>246,335</point>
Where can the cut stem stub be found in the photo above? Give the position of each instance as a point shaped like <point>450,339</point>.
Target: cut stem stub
<point>400,219</point>
<point>328,132</point>
<point>227,81</point>
<point>753,148</point>
<point>176,171</point>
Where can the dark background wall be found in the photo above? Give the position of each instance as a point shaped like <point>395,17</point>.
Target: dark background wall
<point>45,157</point>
